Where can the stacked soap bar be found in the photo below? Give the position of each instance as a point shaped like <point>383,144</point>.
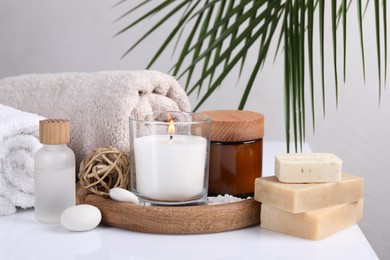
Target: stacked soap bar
<point>308,168</point>
<point>312,207</point>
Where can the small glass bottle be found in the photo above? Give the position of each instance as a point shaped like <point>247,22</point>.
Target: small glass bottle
<point>54,171</point>
<point>236,152</point>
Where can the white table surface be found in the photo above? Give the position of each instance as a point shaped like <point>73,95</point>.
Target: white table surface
<point>21,237</point>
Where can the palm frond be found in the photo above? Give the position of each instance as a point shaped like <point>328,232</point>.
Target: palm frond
<point>213,37</point>
<point>198,48</point>
<point>187,44</point>
<point>322,51</point>
<point>174,31</point>
<point>287,76</point>
<point>344,5</point>
<point>293,66</point>
<point>156,26</point>
<point>143,17</point>
<point>378,44</point>
<point>360,21</point>
<point>131,10</point>
<point>272,21</point>
<point>334,37</point>
<point>302,46</point>
<point>227,33</point>
<point>219,48</point>
<point>222,33</point>
<point>234,61</point>
<point>384,8</point>
<point>310,21</point>
<point>235,32</point>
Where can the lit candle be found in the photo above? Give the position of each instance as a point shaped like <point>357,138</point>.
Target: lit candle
<point>170,167</point>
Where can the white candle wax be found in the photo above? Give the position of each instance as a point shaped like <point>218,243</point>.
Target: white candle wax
<point>170,169</point>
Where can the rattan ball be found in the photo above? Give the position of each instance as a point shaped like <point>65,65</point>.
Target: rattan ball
<point>105,168</point>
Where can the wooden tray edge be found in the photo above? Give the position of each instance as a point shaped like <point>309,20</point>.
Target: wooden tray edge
<point>174,220</point>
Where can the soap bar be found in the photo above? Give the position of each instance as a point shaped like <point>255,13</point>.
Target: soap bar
<point>308,168</point>
<point>296,198</point>
<point>314,225</point>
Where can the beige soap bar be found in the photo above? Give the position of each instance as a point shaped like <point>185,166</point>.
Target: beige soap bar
<point>314,225</point>
<point>298,198</point>
<point>308,168</point>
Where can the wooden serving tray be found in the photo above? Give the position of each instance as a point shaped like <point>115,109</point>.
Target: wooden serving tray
<point>174,220</point>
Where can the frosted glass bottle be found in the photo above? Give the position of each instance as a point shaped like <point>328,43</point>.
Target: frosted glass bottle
<point>55,176</point>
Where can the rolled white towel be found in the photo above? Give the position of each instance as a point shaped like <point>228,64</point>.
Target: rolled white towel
<point>19,141</point>
<point>97,104</point>
<point>6,206</point>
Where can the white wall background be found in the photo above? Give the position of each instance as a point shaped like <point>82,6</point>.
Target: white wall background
<point>45,36</point>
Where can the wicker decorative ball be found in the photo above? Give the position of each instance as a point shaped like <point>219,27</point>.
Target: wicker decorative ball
<point>105,168</point>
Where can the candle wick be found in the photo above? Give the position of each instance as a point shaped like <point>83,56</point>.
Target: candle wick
<point>170,137</point>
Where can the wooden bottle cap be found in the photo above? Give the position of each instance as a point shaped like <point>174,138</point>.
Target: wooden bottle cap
<point>235,125</point>
<point>54,131</point>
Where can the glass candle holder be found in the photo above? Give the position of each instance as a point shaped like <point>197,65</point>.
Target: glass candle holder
<point>236,152</point>
<point>169,154</point>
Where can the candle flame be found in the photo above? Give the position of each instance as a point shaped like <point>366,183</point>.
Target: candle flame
<point>171,127</point>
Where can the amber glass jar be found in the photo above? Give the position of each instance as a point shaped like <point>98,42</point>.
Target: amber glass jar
<point>236,152</point>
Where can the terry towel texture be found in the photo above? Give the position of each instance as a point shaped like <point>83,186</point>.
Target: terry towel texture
<point>19,141</point>
<point>97,104</point>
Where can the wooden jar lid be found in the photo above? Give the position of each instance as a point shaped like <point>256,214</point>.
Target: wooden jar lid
<point>235,125</point>
<point>54,131</point>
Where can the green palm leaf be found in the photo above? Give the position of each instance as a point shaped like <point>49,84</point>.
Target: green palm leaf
<point>272,21</point>
<point>360,20</point>
<point>310,20</point>
<point>378,43</point>
<point>174,31</point>
<point>302,24</point>
<point>321,29</point>
<point>219,34</point>
<point>287,76</point>
<point>241,38</point>
<point>344,8</point>
<point>334,37</point>
<point>384,8</point>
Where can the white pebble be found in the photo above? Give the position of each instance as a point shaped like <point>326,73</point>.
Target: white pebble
<point>123,195</point>
<point>81,217</point>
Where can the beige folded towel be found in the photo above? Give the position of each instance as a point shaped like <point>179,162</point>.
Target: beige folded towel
<point>97,104</point>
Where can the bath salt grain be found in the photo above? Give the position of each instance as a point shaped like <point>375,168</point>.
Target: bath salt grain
<point>223,199</point>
